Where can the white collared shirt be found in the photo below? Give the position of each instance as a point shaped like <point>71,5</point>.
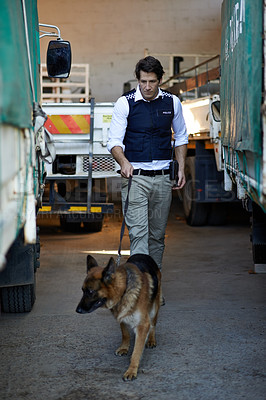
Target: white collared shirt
<point>119,124</point>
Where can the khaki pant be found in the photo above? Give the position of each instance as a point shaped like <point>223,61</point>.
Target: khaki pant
<point>147,214</point>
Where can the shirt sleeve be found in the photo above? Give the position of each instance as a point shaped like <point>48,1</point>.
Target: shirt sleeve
<point>178,124</point>
<point>118,124</point>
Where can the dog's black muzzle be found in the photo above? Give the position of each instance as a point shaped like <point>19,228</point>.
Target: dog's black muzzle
<point>88,306</point>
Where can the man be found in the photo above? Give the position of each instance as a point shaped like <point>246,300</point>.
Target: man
<point>140,141</point>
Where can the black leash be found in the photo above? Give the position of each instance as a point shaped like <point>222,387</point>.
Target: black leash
<point>124,221</point>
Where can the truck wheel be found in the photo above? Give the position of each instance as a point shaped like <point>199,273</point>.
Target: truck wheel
<point>217,214</point>
<point>195,213</point>
<point>258,236</point>
<point>17,293</point>
<point>94,226</point>
<point>17,299</point>
<point>69,226</point>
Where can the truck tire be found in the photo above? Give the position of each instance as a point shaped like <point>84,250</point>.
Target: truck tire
<point>68,225</point>
<point>17,294</point>
<point>17,299</point>
<point>95,226</point>
<point>196,213</point>
<point>258,235</point>
<point>217,214</point>
<point>72,223</point>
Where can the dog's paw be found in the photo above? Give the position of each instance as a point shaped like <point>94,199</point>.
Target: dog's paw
<point>151,343</point>
<point>121,351</point>
<point>130,374</point>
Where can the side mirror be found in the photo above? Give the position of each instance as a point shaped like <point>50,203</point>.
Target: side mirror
<point>58,59</point>
<point>215,107</point>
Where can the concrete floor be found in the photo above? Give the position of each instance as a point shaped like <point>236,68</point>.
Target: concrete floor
<point>210,333</point>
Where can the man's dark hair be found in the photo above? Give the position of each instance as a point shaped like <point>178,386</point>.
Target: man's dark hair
<point>149,64</point>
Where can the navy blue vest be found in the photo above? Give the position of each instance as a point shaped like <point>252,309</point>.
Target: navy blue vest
<point>148,133</point>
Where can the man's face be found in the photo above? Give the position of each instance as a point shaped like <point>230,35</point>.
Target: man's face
<point>149,85</point>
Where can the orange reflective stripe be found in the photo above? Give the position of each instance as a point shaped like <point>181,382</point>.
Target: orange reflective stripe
<point>68,124</point>
<point>71,124</point>
<point>60,124</point>
<point>83,121</point>
<point>50,126</point>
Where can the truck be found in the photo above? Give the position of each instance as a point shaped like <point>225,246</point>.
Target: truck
<point>204,196</point>
<point>76,182</point>
<point>243,112</point>
<point>24,145</point>
<point>226,151</point>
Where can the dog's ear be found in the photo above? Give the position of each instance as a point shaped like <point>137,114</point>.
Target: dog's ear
<point>91,262</point>
<point>108,272</point>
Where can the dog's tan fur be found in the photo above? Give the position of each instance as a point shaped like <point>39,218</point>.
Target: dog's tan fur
<point>133,295</point>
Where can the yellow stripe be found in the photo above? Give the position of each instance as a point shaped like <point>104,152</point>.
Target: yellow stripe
<point>93,209</point>
<point>82,123</point>
<point>59,124</point>
<point>78,209</point>
<point>45,208</point>
<point>96,209</point>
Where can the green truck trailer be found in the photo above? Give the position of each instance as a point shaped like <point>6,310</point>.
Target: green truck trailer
<point>243,107</point>
<point>23,147</point>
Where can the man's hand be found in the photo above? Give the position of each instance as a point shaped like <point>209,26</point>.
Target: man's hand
<point>126,167</point>
<point>180,181</point>
<point>180,153</point>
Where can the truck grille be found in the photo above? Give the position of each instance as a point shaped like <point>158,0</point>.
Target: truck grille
<point>99,164</point>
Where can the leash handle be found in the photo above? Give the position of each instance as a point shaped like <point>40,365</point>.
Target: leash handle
<point>124,221</point>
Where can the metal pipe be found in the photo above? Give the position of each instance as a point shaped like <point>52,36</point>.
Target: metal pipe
<point>89,187</point>
<point>58,34</point>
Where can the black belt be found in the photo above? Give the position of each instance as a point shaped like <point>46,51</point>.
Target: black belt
<point>146,172</point>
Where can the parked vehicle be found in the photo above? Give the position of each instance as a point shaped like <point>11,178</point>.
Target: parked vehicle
<point>243,105</point>
<point>76,187</point>
<point>23,148</point>
<point>204,196</point>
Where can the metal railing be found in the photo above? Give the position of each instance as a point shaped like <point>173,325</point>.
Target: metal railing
<point>74,89</point>
<point>196,77</point>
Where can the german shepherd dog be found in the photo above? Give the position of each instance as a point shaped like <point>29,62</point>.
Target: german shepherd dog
<point>132,292</point>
